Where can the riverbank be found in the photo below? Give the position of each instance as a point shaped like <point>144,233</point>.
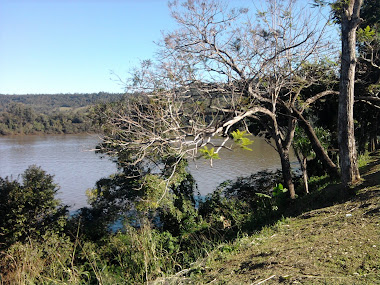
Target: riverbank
<point>323,238</point>
<point>336,241</point>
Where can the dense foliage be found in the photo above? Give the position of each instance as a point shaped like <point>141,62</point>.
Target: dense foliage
<point>151,241</point>
<point>49,114</point>
<point>29,208</point>
<point>50,103</point>
<point>21,119</point>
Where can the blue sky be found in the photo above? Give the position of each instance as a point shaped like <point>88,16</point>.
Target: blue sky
<point>73,46</point>
<point>69,46</point>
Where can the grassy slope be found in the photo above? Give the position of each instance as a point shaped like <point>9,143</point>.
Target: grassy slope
<point>337,242</point>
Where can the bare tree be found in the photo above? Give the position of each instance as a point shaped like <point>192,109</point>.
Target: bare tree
<point>265,57</point>
<point>222,70</point>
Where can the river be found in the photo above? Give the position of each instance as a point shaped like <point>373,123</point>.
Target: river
<point>76,167</point>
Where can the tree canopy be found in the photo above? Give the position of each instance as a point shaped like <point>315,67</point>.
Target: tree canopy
<point>225,69</point>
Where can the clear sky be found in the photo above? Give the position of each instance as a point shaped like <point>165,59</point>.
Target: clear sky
<point>73,46</point>
<point>69,46</point>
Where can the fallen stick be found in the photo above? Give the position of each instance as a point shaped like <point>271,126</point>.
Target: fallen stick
<point>261,282</point>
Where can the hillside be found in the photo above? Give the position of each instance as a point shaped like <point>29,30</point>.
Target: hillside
<point>335,243</point>
<point>48,103</point>
<point>50,114</point>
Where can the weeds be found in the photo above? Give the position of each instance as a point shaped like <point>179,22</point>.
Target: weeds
<point>363,159</point>
<point>37,261</point>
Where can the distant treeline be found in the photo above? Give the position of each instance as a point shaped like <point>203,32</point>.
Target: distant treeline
<point>51,114</point>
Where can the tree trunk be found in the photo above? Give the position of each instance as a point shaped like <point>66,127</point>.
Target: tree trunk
<point>319,150</point>
<point>304,174</point>
<point>373,142</point>
<point>287,172</point>
<point>347,149</point>
<point>283,151</point>
<point>303,163</point>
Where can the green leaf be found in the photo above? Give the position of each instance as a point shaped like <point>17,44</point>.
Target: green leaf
<point>241,139</point>
<point>261,195</point>
<point>209,153</point>
<point>278,190</point>
<point>365,35</point>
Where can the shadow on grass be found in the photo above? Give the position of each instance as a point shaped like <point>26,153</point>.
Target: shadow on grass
<point>335,193</point>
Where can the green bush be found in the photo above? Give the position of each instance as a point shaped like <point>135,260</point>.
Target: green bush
<point>29,208</point>
<point>246,203</point>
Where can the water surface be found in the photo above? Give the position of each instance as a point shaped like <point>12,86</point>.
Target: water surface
<point>76,168</point>
<point>68,157</point>
<point>234,163</point>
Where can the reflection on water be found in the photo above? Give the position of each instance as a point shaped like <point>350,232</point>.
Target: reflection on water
<point>76,168</point>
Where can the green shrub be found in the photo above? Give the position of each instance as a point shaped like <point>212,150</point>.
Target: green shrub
<point>246,203</point>
<point>29,208</point>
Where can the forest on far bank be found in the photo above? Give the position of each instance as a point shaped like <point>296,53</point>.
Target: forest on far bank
<point>50,113</point>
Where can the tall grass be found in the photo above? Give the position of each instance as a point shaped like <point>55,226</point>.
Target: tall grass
<point>136,256</point>
<point>48,260</point>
